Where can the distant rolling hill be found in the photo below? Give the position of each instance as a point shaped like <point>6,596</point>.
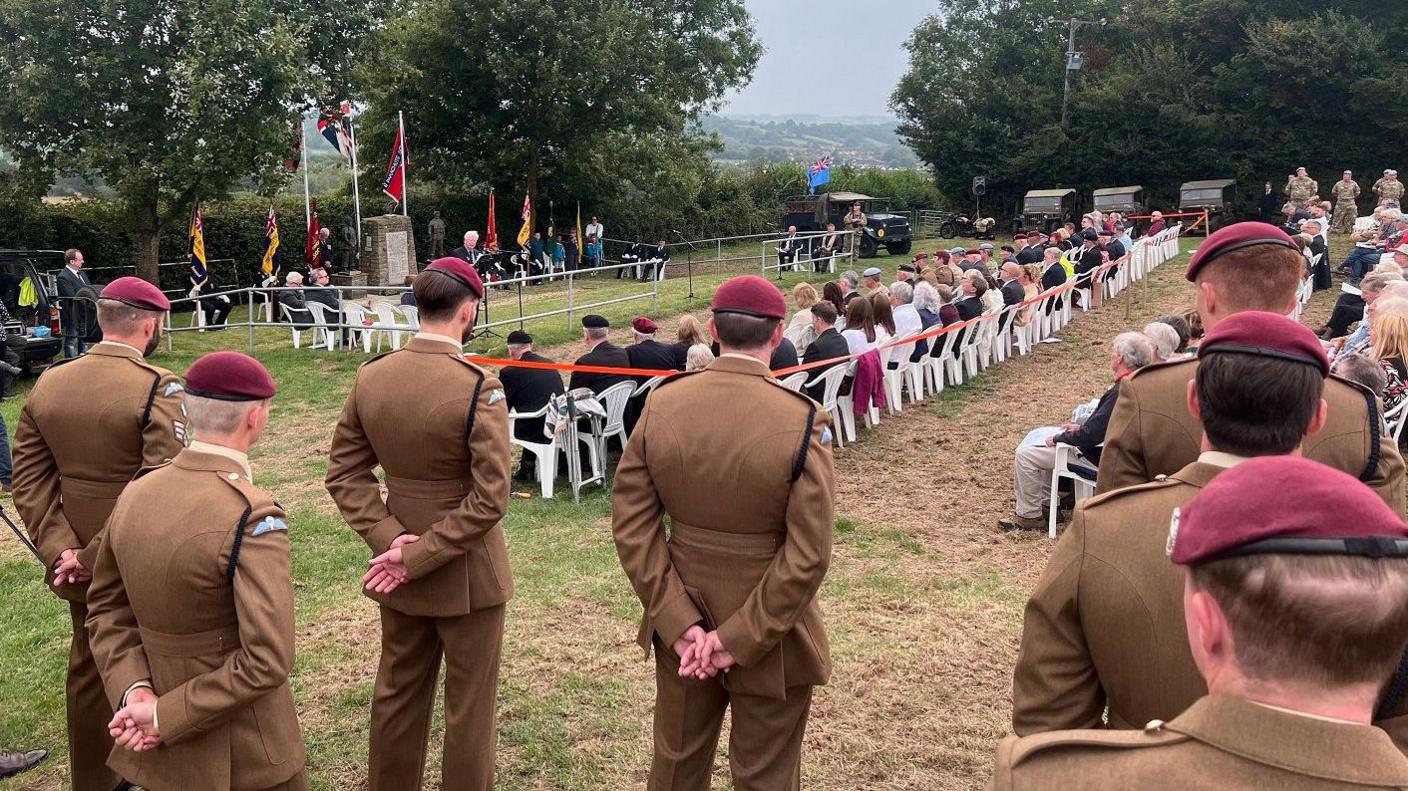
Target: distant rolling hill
<point>865,141</point>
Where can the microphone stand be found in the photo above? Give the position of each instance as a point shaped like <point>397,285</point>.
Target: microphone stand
<point>689,260</point>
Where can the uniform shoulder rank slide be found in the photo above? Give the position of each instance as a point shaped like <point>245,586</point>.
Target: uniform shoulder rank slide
<point>270,524</point>
<point>495,396</point>
<point>172,389</point>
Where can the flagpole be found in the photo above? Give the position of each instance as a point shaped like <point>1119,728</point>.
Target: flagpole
<point>405,165</point>
<point>303,135</point>
<point>356,192</point>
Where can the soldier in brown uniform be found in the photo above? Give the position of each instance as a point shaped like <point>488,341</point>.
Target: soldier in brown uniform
<point>732,587</point>
<point>87,427</point>
<point>1245,266</point>
<point>438,426</point>
<point>1104,626</point>
<point>191,606</point>
<point>1296,609</point>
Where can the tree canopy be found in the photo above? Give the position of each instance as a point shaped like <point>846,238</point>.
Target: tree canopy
<point>596,98</point>
<point>168,102</point>
<point>1172,90</point>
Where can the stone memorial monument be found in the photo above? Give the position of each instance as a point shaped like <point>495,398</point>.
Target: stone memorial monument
<point>389,250</point>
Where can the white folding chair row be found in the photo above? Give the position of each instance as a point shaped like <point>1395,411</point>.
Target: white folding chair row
<point>905,372</point>
<point>830,381</point>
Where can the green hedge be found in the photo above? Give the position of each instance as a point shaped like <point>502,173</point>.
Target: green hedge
<point>728,202</point>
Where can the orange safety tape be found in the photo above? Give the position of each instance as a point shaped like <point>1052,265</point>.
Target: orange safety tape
<point>503,362</point>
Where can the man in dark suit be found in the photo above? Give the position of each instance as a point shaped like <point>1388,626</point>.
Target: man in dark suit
<point>970,305</point>
<point>656,259</point>
<point>326,256</point>
<point>649,354</point>
<point>1113,245</point>
<point>784,356</point>
<point>600,352</point>
<point>828,345</point>
<point>294,298</point>
<point>528,390</point>
<point>1088,259</point>
<point>1012,291</point>
<point>214,305</point>
<point>76,311</point>
<point>850,285</point>
<point>788,248</point>
<point>469,251</point>
<point>1053,275</point>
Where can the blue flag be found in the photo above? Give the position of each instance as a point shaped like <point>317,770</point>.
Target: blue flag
<point>818,174</point>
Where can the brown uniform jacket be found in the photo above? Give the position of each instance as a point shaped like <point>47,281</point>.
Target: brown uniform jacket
<point>1152,433</point>
<point>742,466</point>
<point>1218,743</point>
<point>438,427</point>
<point>1105,623</point>
<point>86,428</point>
<point>192,591</point>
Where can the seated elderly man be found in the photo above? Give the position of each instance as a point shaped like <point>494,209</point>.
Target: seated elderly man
<point>1164,339</point>
<point>1036,455</point>
<point>1351,305</point>
<point>1370,243</point>
<point>849,281</point>
<point>907,320</point>
<point>296,302</point>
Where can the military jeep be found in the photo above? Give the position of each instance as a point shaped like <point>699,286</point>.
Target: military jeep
<point>883,228</point>
<point>1049,209</point>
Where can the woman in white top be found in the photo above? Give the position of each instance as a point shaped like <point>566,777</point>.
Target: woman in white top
<point>861,334</point>
<point>801,330</point>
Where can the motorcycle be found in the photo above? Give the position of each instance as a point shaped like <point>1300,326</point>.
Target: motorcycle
<point>959,226</point>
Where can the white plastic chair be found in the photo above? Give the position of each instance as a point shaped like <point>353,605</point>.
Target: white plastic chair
<point>830,380</point>
<point>297,333</point>
<point>1394,420</point>
<point>943,365</point>
<point>614,400</point>
<point>355,315</point>
<point>905,372</point>
<point>545,452</point>
<point>795,382</point>
<point>387,326</point>
<point>1068,461</point>
<point>412,314</point>
<point>320,326</point>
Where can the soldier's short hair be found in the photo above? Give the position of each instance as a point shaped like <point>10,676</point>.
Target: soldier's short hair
<point>1323,620</point>
<point>119,318</point>
<point>216,417</point>
<point>438,296</point>
<point>1263,277</point>
<point>824,311</point>
<point>738,331</point>
<point>1255,405</point>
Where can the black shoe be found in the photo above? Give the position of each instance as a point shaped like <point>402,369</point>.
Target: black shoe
<point>12,764</point>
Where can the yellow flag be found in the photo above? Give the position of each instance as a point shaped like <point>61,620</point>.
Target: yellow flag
<point>579,229</point>
<point>526,231</point>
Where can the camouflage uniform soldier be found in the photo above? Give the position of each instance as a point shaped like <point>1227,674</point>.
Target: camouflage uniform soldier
<point>1379,185</point>
<point>1300,188</point>
<point>1345,191</point>
<point>1391,189</point>
<point>855,223</point>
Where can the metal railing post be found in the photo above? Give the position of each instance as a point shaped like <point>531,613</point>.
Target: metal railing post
<point>570,300</point>
<point>655,295</point>
<point>249,304</point>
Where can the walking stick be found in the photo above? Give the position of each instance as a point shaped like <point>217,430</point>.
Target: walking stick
<point>24,539</point>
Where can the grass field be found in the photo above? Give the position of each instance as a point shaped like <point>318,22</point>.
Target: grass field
<point>923,600</point>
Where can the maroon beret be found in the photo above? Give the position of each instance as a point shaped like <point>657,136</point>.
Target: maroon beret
<point>1235,237</point>
<point>752,296</point>
<point>972,251</point>
<point>1265,335</point>
<point>460,270</point>
<point>942,254</point>
<point>644,325</point>
<point>136,292</point>
<point>230,376</point>
<point>1107,233</point>
<point>1284,505</point>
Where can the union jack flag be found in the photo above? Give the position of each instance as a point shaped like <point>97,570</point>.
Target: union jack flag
<point>819,173</point>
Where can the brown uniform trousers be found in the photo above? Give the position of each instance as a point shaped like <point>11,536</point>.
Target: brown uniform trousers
<point>1218,743</point>
<point>86,428</point>
<point>1152,433</point>
<point>438,426</point>
<point>748,492</point>
<point>193,592</point>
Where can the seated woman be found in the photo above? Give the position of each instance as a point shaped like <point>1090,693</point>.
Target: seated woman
<point>800,330</point>
<point>1036,455</point>
<point>698,357</point>
<point>927,305</point>
<point>1390,334</point>
<point>687,333</point>
<point>1030,281</point>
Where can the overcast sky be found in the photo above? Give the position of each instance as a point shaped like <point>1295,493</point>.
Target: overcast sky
<point>828,57</point>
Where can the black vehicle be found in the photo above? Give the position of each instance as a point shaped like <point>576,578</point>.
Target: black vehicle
<point>883,229</point>
<point>958,226</point>
<point>1217,197</point>
<point>1127,200</point>
<point>31,304</point>
<point>1049,209</point>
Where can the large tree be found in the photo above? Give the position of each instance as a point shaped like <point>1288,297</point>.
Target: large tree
<point>1172,90</point>
<point>170,101</point>
<point>593,99</point>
